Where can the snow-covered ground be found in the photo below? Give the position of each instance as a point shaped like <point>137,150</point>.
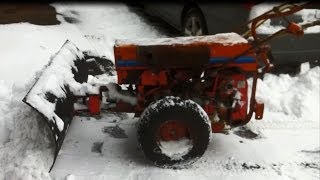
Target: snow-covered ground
<point>284,145</point>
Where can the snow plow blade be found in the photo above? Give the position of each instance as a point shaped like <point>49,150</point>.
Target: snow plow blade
<point>52,95</point>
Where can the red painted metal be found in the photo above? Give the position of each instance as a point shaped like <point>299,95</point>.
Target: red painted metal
<point>94,103</point>
<point>173,130</point>
<point>217,127</point>
<point>295,29</point>
<point>209,108</point>
<point>162,70</point>
<point>259,107</point>
<point>149,78</point>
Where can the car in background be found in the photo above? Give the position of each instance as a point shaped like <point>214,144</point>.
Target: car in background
<point>290,49</point>
<point>194,18</point>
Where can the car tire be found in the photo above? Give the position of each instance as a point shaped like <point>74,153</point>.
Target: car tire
<point>152,132</point>
<point>193,23</point>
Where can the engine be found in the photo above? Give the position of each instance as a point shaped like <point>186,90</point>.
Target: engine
<point>208,70</point>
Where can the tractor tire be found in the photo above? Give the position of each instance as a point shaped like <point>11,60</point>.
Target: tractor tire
<point>193,23</point>
<point>186,120</point>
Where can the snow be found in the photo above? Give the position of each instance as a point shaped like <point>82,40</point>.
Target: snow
<point>176,149</point>
<point>289,98</point>
<point>223,38</point>
<point>237,99</point>
<point>287,147</point>
<point>70,177</point>
<point>305,67</point>
<point>307,15</point>
<point>113,93</point>
<point>25,149</point>
<point>52,80</point>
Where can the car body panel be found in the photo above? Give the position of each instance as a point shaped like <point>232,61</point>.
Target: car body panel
<point>224,17</point>
<point>169,12</point>
<point>290,49</point>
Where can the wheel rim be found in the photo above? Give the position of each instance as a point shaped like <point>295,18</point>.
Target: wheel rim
<point>173,130</point>
<point>193,27</point>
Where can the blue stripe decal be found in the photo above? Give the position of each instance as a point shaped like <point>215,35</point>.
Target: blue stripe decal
<point>243,59</point>
<point>129,63</point>
<point>214,60</point>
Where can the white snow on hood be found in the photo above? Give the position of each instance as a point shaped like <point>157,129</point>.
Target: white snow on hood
<point>223,38</point>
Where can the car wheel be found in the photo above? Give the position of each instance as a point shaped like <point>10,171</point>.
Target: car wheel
<point>174,133</point>
<point>193,23</point>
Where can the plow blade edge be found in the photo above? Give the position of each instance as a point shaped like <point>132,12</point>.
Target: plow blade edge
<point>51,95</point>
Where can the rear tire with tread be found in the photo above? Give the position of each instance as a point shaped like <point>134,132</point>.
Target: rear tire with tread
<point>182,111</point>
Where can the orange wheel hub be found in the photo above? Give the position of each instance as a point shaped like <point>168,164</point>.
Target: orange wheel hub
<point>173,130</point>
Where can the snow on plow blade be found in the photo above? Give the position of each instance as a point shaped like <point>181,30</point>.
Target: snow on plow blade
<point>51,94</point>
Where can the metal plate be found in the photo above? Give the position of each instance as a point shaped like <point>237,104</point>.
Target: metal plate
<point>165,56</point>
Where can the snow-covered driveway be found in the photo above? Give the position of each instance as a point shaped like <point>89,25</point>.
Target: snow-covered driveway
<point>284,145</point>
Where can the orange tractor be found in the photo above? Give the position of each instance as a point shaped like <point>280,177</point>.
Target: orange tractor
<point>182,88</point>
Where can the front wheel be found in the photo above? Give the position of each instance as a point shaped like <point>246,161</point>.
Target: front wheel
<point>174,133</point>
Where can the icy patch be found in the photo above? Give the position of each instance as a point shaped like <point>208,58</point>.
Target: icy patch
<point>176,149</point>
<point>97,147</point>
<point>115,132</point>
<point>223,38</point>
<point>245,132</point>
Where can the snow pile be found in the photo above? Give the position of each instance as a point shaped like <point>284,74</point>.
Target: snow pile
<point>222,38</point>
<point>25,149</point>
<point>176,149</point>
<point>5,97</point>
<point>290,99</point>
<point>28,47</point>
<point>103,23</point>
